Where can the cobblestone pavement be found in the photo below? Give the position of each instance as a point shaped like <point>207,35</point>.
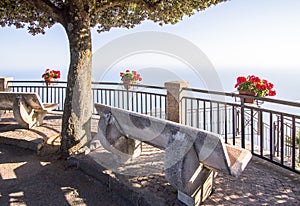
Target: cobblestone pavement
<point>262,183</point>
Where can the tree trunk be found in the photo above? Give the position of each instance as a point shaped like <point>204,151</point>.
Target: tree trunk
<point>76,123</point>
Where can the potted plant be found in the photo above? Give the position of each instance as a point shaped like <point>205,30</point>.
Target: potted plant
<point>254,86</point>
<point>130,77</point>
<point>50,75</point>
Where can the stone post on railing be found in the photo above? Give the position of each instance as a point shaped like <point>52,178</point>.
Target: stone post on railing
<point>4,87</point>
<point>4,83</point>
<point>174,104</point>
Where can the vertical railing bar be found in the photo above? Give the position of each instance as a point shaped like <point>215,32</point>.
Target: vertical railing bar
<point>109,97</point>
<point>294,143</point>
<point>204,115</point>
<point>197,114</point>
<point>211,116</point>
<point>243,123</point>
<point>261,124</point>
<point>123,100</point>
<point>118,99</point>
<point>155,105</point>
<point>281,139</point>
<point>127,99</point>
<point>101,96</point>
<point>106,96</point>
<point>185,110</point>
<point>278,136</point>
<point>47,93</point>
<point>142,103</point>
<point>97,94</point>
<point>150,104</point>
<point>165,103</point>
<point>137,102</point>
<point>192,116</point>
<point>132,101</point>
<point>225,123</point>
<point>252,131</point>
<point>271,136</point>
<point>56,94</point>
<point>218,118</point>
<point>233,124</point>
<point>146,103</point>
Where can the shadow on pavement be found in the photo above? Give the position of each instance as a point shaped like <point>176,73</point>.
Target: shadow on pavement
<point>27,179</point>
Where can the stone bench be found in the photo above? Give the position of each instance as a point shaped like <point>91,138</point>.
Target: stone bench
<point>28,109</point>
<point>192,156</point>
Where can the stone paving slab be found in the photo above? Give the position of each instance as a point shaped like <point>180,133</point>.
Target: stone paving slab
<point>262,183</point>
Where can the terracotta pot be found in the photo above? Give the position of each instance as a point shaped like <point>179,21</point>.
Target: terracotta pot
<point>248,100</point>
<point>126,84</point>
<point>49,82</point>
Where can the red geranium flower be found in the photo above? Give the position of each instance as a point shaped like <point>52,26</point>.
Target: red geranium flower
<point>130,76</point>
<point>51,74</point>
<point>254,84</point>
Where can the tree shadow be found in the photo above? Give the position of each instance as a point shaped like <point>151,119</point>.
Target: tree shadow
<point>28,179</point>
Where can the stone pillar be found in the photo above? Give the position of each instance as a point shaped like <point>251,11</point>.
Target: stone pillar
<point>174,104</point>
<point>4,83</point>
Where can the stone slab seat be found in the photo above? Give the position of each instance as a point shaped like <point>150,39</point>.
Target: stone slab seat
<point>28,109</point>
<point>191,154</point>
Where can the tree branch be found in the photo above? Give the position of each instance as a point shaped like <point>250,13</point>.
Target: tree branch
<point>46,6</point>
<point>115,3</point>
<point>110,4</point>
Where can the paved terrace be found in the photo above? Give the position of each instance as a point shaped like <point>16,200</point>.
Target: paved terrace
<point>262,183</point>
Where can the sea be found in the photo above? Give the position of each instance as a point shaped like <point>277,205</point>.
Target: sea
<point>287,82</point>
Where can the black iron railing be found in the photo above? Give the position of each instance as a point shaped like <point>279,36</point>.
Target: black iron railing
<point>270,128</point>
<point>55,93</point>
<point>271,134</point>
<point>144,99</point>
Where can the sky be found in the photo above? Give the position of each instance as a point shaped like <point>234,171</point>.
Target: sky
<point>239,37</point>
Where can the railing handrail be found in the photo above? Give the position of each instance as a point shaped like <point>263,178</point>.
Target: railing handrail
<point>137,85</point>
<point>233,94</point>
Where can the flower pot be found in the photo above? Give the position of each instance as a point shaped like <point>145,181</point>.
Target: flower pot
<point>127,84</point>
<point>49,81</point>
<point>248,100</point>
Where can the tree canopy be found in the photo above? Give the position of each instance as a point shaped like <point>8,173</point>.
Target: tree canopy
<point>77,18</point>
<point>41,14</point>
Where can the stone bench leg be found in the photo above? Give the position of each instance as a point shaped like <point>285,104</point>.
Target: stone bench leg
<point>191,178</point>
<point>113,140</point>
<point>25,115</point>
<point>203,181</point>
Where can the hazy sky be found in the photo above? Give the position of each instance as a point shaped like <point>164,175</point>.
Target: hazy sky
<point>238,36</point>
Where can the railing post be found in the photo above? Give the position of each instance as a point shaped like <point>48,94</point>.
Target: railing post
<point>243,123</point>
<point>174,97</point>
<point>47,92</point>
<point>4,85</point>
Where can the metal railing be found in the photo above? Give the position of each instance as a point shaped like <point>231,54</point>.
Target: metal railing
<point>55,93</point>
<point>144,99</point>
<point>268,133</point>
<point>269,128</point>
